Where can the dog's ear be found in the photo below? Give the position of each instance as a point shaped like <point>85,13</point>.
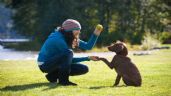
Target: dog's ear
<point>118,47</point>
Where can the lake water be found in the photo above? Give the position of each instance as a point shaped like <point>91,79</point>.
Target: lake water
<point>9,54</point>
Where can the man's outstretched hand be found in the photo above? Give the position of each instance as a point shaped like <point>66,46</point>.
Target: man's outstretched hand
<point>94,58</point>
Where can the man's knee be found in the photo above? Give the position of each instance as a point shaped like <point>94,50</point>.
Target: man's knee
<point>85,69</point>
<point>78,69</point>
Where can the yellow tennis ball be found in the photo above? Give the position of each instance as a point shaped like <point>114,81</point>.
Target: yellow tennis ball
<point>99,27</point>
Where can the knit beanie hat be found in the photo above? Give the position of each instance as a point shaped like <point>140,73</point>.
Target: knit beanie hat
<point>70,25</point>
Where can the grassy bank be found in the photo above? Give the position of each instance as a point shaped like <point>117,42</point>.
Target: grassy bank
<point>23,78</point>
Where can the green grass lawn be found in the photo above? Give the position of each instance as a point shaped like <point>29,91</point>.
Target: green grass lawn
<point>23,78</point>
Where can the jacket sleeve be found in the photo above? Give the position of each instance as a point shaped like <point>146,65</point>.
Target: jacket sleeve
<point>90,44</point>
<point>80,59</point>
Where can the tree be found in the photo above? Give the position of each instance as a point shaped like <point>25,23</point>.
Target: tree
<point>125,20</point>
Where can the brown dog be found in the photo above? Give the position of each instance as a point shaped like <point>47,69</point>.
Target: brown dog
<point>123,65</point>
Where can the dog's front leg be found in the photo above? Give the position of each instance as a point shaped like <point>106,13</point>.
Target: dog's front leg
<point>117,80</point>
<point>107,62</point>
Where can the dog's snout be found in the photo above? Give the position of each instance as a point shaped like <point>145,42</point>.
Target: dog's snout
<point>109,48</point>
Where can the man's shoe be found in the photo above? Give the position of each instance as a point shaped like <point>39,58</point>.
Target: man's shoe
<point>51,79</point>
<point>68,83</point>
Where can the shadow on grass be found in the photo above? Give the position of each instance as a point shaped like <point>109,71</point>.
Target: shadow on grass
<point>100,87</point>
<point>29,86</point>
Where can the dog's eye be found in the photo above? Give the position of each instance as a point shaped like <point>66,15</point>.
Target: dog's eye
<point>112,44</point>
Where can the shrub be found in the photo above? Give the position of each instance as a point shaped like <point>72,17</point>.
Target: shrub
<point>149,41</point>
<point>164,36</point>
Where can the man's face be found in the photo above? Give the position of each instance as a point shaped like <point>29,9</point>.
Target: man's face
<point>76,33</point>
<point>76,40</point>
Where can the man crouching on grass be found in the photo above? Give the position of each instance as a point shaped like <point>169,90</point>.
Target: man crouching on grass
<point>56,55</point>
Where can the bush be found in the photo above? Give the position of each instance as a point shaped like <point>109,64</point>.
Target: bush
<point>164,36</point>
<point>149,42</point>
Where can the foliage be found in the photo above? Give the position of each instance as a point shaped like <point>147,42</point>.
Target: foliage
<point>164,36</point>
<point>125,20</point>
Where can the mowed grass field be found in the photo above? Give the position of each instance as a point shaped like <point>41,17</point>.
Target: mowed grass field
<point>23,78</point>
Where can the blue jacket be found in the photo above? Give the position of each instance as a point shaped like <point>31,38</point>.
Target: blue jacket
<point>55,44</point>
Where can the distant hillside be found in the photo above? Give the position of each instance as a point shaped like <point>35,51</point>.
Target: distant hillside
<point>5,18</point>
<point>6,23</point>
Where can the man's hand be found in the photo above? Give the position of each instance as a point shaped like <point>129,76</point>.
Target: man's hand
<point>75,43</point>
<point>94,58</point>
<point>98,29</point>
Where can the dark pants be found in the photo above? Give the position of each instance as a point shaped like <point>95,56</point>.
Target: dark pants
<point>62,66</point>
